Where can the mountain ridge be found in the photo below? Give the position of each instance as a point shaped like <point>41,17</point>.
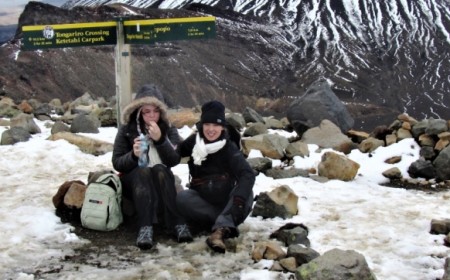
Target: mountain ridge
<point>381,58</point>
<point>381,27</point>
<point>7,32</point>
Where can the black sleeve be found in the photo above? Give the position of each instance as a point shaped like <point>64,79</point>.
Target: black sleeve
<point>185,148</point>
<point>123,159</point>
<point>167,148</point>
<point>241,170</point>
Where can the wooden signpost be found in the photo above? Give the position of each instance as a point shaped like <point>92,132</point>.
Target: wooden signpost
<point>121,33</point>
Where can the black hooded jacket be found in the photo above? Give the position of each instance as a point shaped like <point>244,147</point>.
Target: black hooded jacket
<point>229,160</point>
<point>123,158</point>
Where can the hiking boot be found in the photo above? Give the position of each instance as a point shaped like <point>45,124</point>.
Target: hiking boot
<point>183,234</point>
<point>215,240</point>
<point>145,238</point>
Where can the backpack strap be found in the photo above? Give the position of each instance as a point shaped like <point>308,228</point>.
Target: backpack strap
<point>111,180</point>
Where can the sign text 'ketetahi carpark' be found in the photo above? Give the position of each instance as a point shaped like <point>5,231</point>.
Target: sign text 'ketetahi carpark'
<point>69,35</point>
<point>105,33</point>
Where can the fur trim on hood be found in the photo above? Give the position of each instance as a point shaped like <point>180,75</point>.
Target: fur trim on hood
<point>138,103</point>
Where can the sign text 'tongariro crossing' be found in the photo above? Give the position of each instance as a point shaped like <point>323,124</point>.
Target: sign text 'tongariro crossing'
<point>105,33</point>
<point>69,35</point>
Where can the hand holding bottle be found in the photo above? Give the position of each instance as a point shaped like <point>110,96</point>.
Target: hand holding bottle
<point>143,150</point>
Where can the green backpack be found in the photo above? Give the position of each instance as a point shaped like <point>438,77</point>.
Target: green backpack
<point>102,205</point>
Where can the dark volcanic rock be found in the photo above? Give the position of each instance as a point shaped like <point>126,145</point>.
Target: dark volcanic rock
<point>318,103</point>
<point>263,59</point>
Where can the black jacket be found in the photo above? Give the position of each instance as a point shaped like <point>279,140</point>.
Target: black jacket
<point>228,160</point>
<point>123,158</point>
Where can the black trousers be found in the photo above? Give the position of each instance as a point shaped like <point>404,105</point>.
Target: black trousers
<point>205,215</point>
<point>153,193</point>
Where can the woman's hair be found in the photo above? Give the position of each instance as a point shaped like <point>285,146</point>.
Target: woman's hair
<point>163,126</point>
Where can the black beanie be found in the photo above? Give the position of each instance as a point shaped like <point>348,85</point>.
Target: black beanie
<point>213,112</point>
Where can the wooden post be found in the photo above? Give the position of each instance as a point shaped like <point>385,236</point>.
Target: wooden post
<point>140,32</point>
<point>123,71</point>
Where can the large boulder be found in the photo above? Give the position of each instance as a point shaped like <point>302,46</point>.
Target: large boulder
<point>87,145</point>
<point>251,116</point>
<point>270,145</point>
<point>14,135</point>
<point>422,168</point>
<point>7,108</point>
<point>328,135</point>
<point>339,167</point>
<point>302,254</point>
<point>25,121</point>
<point>235,120</point>
<point>336,264</point>
<point>59,199</point>
<point>268,250</point>
<point>442,164</point>
<point>318,103</point>
<point>292,233</point>
<point>106,115</point>
<point>85,124</point>
<point>280,202</point>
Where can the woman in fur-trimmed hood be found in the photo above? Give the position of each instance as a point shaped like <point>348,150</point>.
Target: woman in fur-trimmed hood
<point>148,181</point>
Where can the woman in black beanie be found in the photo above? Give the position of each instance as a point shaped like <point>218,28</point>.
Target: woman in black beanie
<point>220,192</point>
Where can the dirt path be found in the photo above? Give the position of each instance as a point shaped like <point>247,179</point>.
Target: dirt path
<point>113,255</point>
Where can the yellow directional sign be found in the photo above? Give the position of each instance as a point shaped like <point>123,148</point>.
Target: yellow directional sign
<point>105,33</point>
<point>170,29</point>
<point>69,35</point>
<point>120,32</point>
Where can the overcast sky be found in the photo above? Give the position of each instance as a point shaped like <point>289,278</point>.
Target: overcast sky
<point>10,10</point>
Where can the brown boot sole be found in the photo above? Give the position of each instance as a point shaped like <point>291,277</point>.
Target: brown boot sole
<point>214,247</point>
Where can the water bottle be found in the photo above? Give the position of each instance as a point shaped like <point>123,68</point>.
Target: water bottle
<point>143,158</point>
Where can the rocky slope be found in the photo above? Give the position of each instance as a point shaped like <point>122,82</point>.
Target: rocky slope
<point>391,52</point>
<point>382,58</point>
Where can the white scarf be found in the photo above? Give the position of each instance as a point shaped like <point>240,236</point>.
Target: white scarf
<point>201,150</point>
<point>153,156</point>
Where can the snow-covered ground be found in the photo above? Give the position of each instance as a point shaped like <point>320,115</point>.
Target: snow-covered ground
<point>389,226</point>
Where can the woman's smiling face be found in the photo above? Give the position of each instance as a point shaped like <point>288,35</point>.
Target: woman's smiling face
<point>212,131</point>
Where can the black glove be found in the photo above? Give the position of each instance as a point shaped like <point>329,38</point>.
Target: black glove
<point>237,210</point>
